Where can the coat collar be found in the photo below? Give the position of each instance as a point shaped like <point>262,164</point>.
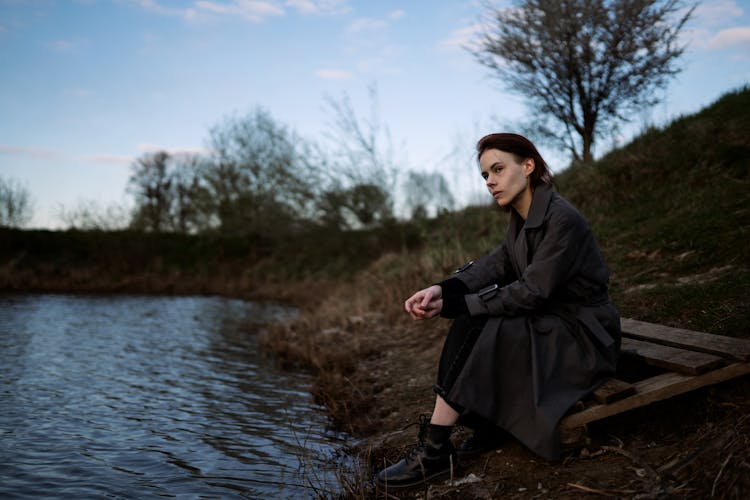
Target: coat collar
<point>539,203</point>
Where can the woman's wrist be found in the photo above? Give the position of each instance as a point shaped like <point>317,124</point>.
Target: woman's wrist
<point>453,286</point>
<point>453,306</point>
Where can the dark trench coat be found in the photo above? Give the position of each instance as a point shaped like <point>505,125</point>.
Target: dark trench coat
<point>552,334</point>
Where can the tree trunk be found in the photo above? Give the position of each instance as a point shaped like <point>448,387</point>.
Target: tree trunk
<point>588,142</point>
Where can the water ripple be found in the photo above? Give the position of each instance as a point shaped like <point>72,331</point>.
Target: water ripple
<point>151,397</point>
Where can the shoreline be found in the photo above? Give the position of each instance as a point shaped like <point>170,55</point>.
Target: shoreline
<point>373,371</point>
<point>374,374</point>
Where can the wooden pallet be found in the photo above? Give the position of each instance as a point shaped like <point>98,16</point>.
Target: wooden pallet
<point>682,360</point>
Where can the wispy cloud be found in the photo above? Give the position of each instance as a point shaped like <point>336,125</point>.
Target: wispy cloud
<point>143,148</point>
<point>380,62</point>
<point>716,11</point>
<point>462,38</point>
<point>319,7</point>
<point>369,41</point>
<point>396,14</point>
<point>147,147</point>
<point>65,46</point>
<point>711,27</point>
<point>156,7</point>
<point>96,158</point>
<point>366,24</point>
<point>372,24</point>
<point>333,74</point>
<point>730,37</point>
<point>108,159</point>
<point>32,152</point>
<point>304,6</point>
<point>78,92</point>
<point>252,10</point>
<point>51,154</point>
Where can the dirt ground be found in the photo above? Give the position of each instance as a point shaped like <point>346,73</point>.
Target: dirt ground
<point>376,380</point>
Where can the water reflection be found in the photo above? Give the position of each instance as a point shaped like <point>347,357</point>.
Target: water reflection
<point>151,396</point>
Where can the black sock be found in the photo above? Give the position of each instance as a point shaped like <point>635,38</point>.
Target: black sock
<point>439,434</point>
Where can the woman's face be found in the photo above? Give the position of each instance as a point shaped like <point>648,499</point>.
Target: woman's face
<point>506,178</point>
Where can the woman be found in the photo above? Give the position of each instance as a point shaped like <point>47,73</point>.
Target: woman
<point>533,332</point>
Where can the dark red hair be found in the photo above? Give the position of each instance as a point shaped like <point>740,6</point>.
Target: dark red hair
<point>521,148</point>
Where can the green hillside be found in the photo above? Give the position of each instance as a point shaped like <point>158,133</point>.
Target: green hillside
<point>671,212</point>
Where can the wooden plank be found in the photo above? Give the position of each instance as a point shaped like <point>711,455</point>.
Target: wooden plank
<point>655,389</point>
<point>721,345</point>
<point>671,358</point>
<point>612,390</point>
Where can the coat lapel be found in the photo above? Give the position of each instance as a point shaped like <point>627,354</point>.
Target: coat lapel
<point>538,209</point>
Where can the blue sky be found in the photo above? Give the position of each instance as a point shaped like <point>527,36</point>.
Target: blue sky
<point>87,86</point>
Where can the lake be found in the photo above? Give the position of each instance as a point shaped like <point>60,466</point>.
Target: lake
<point>148,396</point>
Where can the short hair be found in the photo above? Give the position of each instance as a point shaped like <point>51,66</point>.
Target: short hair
<point>521,148</point>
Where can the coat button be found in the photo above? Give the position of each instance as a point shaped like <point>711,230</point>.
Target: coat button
<point>464,267</point>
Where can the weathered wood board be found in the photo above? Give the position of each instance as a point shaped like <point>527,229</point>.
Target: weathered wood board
<point>671,358</point>
<point>612,390</point>
<point>654,389</point>
<point>689,360</point>
<point>687,339</point>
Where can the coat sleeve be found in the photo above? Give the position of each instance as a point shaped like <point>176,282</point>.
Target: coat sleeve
<point>556,259</point>
<point>494,267</point>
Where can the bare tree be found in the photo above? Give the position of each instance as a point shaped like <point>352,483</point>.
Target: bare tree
<point>369,204</point>
<point>363,174</point>
<point>364,146</point>
<point>427,193</point>
<point>171,193</point>
<point>91,215</point>
<point>151,184</point>
<point>584,64</point>
<point>191,203</point>
<point>15,204</point>
<point>261,179</point>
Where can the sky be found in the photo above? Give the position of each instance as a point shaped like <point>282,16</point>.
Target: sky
<point>88,86</point>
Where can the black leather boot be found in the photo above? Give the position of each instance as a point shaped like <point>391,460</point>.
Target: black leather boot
<point>431,457</point>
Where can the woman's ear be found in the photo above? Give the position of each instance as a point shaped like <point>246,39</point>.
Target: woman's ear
<point>528,166</point>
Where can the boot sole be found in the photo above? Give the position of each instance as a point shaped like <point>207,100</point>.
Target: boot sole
<point>402,486</point>
<point>476,453</point>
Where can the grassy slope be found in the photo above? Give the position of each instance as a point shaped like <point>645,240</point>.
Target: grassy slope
<point>671,212</point>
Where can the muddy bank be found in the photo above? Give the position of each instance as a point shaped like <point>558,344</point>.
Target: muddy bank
<point>375,374</point>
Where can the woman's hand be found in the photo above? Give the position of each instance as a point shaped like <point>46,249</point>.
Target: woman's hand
<point>426,303</point>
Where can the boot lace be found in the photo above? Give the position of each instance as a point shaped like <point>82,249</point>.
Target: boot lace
<point>417,448</point>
